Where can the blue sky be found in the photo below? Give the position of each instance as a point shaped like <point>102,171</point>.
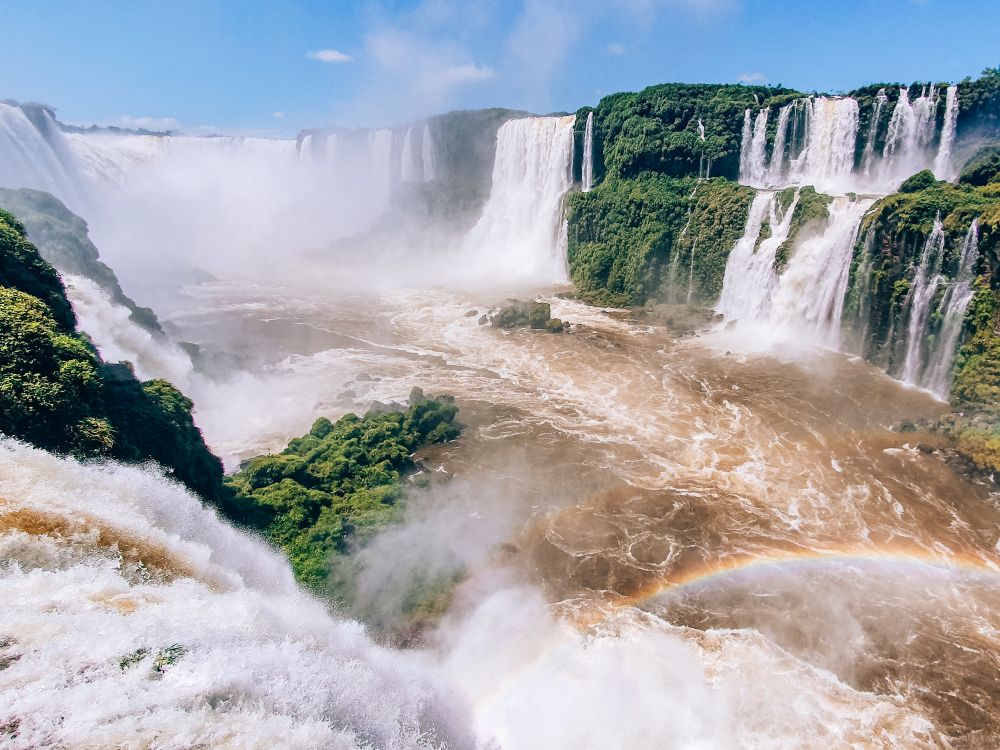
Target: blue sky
<point>274,67</point>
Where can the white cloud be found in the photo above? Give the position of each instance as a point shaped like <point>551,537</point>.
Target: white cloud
<point>143,123</point>
<point>752,78</point>
<point>277,115</point>
<point>458,74</point>
<point>329,56</point>
<point>614,48</point>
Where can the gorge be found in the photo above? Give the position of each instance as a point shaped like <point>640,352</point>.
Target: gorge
<point>746,499</point>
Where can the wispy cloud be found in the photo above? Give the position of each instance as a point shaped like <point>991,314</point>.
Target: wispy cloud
<point>330,56</point>
<point>278,115</point>
<point>752,78</point>
<point>459,74</point>
<point>143,123</point>
<point>614,48</point>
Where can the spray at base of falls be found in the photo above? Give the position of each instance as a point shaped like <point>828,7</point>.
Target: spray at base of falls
<point>119,339</point>
<point>522,234</point>
<point>178,630</point>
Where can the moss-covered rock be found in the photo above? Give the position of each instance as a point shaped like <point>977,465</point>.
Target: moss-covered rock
<point>983,168</point>
<point>330,489</point>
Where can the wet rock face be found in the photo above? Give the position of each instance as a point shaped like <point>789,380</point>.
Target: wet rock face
<point>521,313</point>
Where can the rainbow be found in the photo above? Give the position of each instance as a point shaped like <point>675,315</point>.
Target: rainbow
<point>893,558</point>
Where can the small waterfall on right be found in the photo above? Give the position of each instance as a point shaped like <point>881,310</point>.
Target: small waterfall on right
<point>944,169</point>
<point>925,284</point>
<point>869,153</point>
<point>587,169</point>
<point>954,304</point>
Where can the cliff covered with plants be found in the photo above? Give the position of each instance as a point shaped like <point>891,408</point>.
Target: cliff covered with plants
<point>939,241</point>
<point>58,394</point>
<point>61,238</point>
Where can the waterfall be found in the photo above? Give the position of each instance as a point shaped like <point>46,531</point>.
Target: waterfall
<point>587,169</point>
<point>775,170</point>
<point>409,168</point>
<point>745,146</point>
<point>427,154</point>
<point>911,130</point>
<point>943,167</point>
<point>522,230</point>
<point>954,304</point>
<point>869,153</point>
<point>750,275</point>
<point>809,301</point>
<point>753,168</point>
<point>380,146</point>
<point>863,276</point>
<point>830,141</point>
<point>925,284</point>
<point>34,154</point>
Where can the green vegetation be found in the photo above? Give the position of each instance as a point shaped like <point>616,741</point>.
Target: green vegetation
<point>333,487</point>
<point>656,129</point>
<point>627,238</point>
<point>57,393</point>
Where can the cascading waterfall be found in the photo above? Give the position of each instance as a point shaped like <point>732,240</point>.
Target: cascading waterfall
<point>587,168</point>
<point>911,131</point>
<point>925,284</point>
<point>862,320</point>
<point>775,170</point>
<point>409,168</point>
<point>944,169</point>
<point>750,276</point>
<point>35,155</point>
<point>522,229</point>
<point>869,153</point>
<point>809,301</point>
<point>427,155</point>
<point>954,304</point>
<point>753,168</point>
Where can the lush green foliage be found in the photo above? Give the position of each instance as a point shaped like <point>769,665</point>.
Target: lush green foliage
<point>656,129</point>
<point>627,238</point>
<point>57,393</point>
<point>337,484</point>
